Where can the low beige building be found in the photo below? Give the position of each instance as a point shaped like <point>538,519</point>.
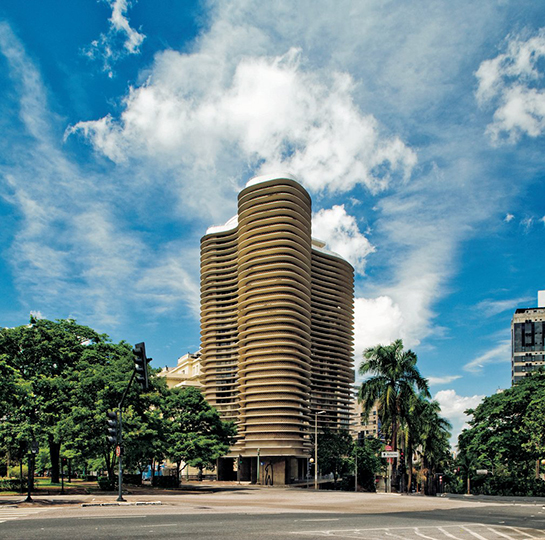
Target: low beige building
<point>368,427</point>
<point>187,372</point>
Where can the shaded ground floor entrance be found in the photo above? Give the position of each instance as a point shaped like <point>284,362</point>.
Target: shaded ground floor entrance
<point>263,470</point>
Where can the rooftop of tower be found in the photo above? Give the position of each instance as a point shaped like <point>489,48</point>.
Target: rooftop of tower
<point>232,223</point>
<point>268,177</point>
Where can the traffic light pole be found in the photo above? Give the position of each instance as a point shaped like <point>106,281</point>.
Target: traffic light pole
<point>120,440</point>
<point>140,372</point>
<point>120,457</point>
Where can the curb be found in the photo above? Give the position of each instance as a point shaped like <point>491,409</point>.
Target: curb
<point>138,503</point>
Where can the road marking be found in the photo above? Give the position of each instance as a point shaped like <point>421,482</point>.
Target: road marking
<point>524,533</point>
<point>113,517</point>
<point>323,519</point>
<point>393,535</point>
<point>498,533</point>
<point>476,535</point>
<point>447,534</point>
<point>419,534</point>
<point>461,531</point>
<point>11,513</point>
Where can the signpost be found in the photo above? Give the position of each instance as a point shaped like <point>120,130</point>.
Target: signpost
<point>389,454</point>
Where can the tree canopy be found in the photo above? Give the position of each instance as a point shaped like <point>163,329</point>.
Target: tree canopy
<point>58,379</point>
<point>507,438</point>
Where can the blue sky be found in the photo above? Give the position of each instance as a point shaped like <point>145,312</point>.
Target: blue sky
<point>417,127</point>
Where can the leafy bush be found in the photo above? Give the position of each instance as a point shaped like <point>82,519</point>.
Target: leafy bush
<point>104,484</point>
<point>11,484</point>
<point>15,471</point>
<point>165,482</point>
<point>132,479</point>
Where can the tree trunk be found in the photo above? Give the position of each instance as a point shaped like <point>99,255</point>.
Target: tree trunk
<point>152,470</point>
<point>178,464</point>
<point>393,483</point>
<point>110,462</point>
<point>54,455</point>
<point>410,460</point>
<point>31,467</point>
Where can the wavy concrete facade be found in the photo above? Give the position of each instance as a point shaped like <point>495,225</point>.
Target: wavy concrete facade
<point>276,322</point>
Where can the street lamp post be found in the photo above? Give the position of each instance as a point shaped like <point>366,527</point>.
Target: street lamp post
<point>316,448</point>
<point>30,475</point>
<point>356,468</point>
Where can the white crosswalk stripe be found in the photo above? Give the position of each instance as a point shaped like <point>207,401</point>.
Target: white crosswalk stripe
<point>9,513</point>
<point>462,531</point>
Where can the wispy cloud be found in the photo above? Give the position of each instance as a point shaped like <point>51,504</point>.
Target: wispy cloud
<point>499,354</point>
<point>508,218</point>
<point>443,380</point>
<point>489,307</point>
<point>120,40</point>
<point>75,252</point>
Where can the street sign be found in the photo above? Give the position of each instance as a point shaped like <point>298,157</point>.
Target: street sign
<point>387,447</point>
<point>118,450</point>
<point>482,471</point>
<point>390,454</point>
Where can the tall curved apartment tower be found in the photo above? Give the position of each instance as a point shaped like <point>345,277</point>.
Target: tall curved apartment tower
<point>276,331</point>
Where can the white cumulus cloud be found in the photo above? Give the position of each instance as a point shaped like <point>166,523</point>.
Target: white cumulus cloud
<point>511,82</point>
<point>376,321</point>
<point>209,113</point>
<point>340,232</point>
<point>453,407</point>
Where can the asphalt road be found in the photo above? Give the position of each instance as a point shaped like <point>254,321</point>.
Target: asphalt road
<point>482,523</point>
<point>279,514</point>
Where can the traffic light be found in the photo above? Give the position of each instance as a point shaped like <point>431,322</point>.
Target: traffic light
<point>141,365</point>
<point>402,456</point>
<point>112,427</point>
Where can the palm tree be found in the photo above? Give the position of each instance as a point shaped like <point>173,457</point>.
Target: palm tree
<point>394,382</point>
<point>434,436</point>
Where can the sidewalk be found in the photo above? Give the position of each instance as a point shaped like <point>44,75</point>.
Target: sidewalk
<point>230,497</point>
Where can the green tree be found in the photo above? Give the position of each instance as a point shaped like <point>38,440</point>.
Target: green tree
<point>98,381</point>
<point>506,437</point>
<point>196,435</point>
<point>426,430</point>
<point>334,451</point>
<point>43,353</point>
<point>393,382</point>
<point>369,462</point>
